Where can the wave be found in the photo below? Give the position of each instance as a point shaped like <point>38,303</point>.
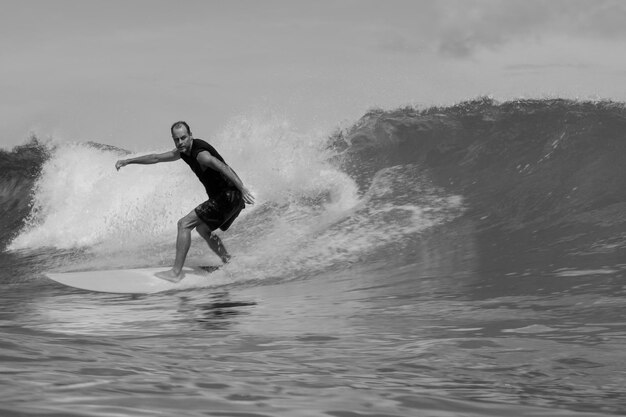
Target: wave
<point>519,164</point>
<point>19,169</point>
<point>309,213</point>
<point>364,193</point>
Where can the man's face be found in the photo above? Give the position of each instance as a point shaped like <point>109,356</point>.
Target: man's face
<point>182,139</point>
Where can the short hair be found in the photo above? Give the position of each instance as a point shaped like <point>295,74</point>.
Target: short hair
<point>179,124</point>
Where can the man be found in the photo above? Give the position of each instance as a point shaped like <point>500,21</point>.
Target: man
<point>227,194</point>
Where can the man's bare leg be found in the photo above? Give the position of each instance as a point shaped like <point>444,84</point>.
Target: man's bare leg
<point>183,242</point>
<point>214,242</point>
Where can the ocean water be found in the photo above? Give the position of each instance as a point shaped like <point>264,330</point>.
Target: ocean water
<point>456,261</point>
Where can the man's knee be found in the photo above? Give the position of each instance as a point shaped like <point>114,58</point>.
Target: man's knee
<point>187,222</point>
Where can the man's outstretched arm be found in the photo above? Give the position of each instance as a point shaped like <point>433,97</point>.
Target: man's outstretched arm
<point>152,158</point>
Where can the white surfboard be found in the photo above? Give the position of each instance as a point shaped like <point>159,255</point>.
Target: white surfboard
<point>131,281</point>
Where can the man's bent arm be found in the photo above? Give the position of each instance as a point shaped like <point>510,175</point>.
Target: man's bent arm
<point>207,160</point>
<point>153,158</point>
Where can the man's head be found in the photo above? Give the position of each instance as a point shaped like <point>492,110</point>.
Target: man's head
<point>181,134</point>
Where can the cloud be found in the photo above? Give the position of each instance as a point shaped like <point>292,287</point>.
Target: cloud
<point>603,19</point>
<point>491,24</point>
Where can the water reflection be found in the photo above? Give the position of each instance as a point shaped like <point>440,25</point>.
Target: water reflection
<point>218,314</point>
<point>127,315</point>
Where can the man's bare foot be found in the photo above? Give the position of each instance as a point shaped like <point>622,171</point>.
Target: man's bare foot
<point>170,275</point>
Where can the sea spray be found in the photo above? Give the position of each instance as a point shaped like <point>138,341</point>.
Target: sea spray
<point>80,200</point>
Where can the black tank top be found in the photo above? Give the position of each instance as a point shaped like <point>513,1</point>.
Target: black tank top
<point>214,181</point>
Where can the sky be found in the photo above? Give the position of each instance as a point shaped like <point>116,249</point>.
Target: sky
<point>120,72</point>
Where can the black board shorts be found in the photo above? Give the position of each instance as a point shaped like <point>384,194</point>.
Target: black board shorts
<point>222,210</point>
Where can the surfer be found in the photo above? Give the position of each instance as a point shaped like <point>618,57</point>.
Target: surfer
<point>227,194</point>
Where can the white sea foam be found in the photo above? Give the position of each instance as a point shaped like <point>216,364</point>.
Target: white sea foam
<point>80,200</point>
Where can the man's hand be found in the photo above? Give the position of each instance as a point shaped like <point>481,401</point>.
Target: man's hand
<point>120,163</point>
<point>248,198</point>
